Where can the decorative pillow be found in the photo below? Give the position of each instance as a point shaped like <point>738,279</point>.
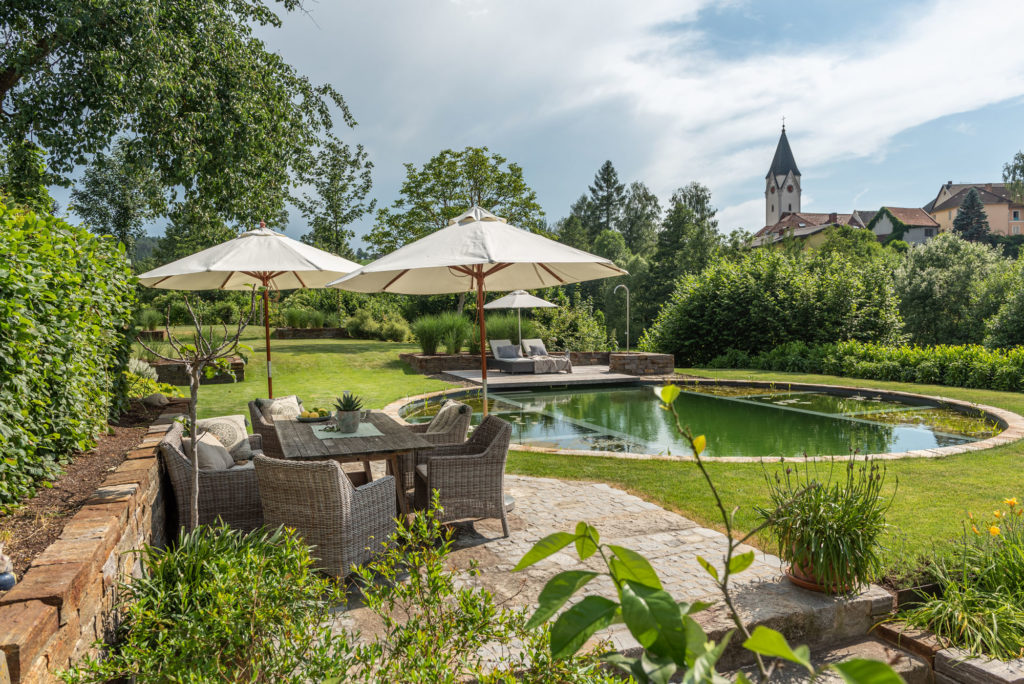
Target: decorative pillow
<point>212,454</point>
<point>538,350</point>
<point>281,407</point>
<point>229,431</point>
<point>508,351</point>
<point>446,417</point>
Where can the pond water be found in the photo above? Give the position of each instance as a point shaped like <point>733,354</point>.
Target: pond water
<point>752,423</point>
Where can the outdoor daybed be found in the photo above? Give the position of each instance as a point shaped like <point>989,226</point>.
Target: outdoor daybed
<point>509,358</point>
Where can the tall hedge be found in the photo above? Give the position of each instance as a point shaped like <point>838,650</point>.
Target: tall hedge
<point>769,297</point>
<point>65,305</point>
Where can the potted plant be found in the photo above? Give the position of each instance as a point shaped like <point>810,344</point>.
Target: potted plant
<point>828,530</point>
<point>349,407</point>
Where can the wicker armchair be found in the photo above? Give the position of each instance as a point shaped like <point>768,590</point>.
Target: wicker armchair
<point>345,525</point>
<point>454,432</point>
<point>263,425</point>
<point>469,477</point>
<point>230,495</point>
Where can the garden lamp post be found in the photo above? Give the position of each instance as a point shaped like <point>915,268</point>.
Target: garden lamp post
<point>624,287</point>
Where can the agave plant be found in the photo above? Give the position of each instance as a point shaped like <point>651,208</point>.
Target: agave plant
<point>348,402</point>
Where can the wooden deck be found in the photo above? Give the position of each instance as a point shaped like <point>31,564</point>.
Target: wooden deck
<point>581,375</point>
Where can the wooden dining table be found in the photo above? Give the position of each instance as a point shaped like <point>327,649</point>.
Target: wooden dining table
<point>300,443</point>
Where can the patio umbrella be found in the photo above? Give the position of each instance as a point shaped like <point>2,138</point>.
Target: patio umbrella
<point>519,300</point>
<point>256,257</point>
<point>477,252</point>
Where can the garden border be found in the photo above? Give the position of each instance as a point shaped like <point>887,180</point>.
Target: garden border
<point>1012,424</point>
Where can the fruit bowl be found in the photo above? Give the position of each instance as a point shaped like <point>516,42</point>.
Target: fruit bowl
<point>314,419</point>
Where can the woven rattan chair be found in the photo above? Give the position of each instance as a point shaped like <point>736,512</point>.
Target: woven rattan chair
<point>263,425</point>
<point>454,432</point>
<point>230,495</point>
<point>346,525</point>
<point>470,477</point>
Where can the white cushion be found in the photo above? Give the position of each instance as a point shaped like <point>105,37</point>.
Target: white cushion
<point>281,407</point>
<point>212,454</point>
<point>231,432</point>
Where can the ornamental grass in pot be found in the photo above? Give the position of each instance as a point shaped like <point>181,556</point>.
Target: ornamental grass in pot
<point>349,408</point>
<point>827,528</point>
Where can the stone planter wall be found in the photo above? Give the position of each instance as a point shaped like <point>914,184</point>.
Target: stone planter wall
<point>641,363</point>
<point>595,358</point>
<point>152,335</point>
<point>65,602</point>
<point>310,333</point>
<point>174,373</point>
<point>951,665</point>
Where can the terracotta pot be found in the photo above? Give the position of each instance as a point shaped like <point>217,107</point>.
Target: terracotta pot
<point>805,578</point>
<point>347,421</point>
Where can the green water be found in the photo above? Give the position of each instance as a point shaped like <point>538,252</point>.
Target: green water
<point>628,419</point>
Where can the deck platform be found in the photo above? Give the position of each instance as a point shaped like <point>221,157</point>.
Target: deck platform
<point>581,375</point>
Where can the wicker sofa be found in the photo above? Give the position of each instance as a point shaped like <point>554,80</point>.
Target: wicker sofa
<point>344,524</point>
<point>525,364</point>
<point>449,426</point>
<point>263,425</point>
<point>230,495</point>
<point>469,477</point>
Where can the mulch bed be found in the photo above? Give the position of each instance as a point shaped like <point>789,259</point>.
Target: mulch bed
<point>28,530</point>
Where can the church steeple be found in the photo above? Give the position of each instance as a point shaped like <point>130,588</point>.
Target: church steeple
<point>781,183</point>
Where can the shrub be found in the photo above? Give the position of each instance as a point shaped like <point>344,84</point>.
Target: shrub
<point>139,386</point>
<point>66,300</point>
<point>150,319</point>
<point>503,326</point>
<point>362,325</point>
<point>142,369</point>
<point>296,318</point>
<point>573,325</point>
<point>224,312</point>
<point>395,331</point>
<point>315,319</point>
<point>457,330</point>
<point>428,332</point>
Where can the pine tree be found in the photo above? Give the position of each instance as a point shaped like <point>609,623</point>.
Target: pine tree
<point>640,217</point>
<point>608,196</point>
<point>971,222</point>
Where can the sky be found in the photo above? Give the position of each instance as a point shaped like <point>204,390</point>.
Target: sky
<point>883,100</point>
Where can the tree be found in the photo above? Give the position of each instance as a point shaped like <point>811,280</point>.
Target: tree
<point>212,111</point>
<point>571,231</point>
<point>856,244</point>
<point>448,185</point>
<point>971,222</point>
<point>688,240</point>
<point>341,181</point>
<point>1013,176</point>
<point>608,195</point>
<point>23,178</point>
<point>116,197</point>
<point>194,226</point>
<point>641,214</point>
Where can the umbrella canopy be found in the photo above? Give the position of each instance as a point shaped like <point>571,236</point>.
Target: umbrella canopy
<point>519,300</point>
<point>256,257</point>
<point>478,251</point>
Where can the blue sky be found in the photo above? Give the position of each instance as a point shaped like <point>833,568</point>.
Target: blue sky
<point>884,101</point>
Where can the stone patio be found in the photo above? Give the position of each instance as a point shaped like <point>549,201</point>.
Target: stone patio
<point>668,540</point>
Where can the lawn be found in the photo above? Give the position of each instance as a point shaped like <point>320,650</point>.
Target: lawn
<point>933,495</point>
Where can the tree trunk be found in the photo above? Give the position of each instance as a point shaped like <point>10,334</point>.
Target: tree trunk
<point>462,302</point>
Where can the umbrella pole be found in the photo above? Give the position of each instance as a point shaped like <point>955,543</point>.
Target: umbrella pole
<point>483,330</point>
<point>266,327</point>
<point>519,319</point>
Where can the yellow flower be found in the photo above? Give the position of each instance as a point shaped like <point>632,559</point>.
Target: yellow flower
<point>975,528</point>
<point>994,531</point>
<point>970,515</point>
<point>997,514</point>
<point>1011,502</point>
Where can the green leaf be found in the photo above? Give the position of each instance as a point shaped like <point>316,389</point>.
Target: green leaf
<point>711,570</point>
<point>632,566</point>
<point>862,671</point>
<point>695,607</point>
<point>587,539</point>
<point>669,393</point>
<point>741,562</point>
<point>573,627</point>
<point>658,670</point>
<point>553,543</point>
<point>556,592</point>
<point>654,619</point>
<point>768,642</point>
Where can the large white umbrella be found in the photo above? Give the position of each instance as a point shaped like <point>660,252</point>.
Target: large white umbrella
<point>479,252</point>
<point>256,257</point>
<point>519,300</point>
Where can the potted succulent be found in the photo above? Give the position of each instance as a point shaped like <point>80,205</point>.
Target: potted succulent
<point>349,407</point>
<point>828,530</point>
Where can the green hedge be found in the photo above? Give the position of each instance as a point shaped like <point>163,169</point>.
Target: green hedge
<point>66,300</point>
<point>957,366</point>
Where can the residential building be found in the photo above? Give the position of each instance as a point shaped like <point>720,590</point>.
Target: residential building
<point>1005,217</point>
<point>911,225</point>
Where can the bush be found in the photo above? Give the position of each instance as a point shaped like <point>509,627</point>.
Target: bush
<point>766,298</point>
<point>142,369</point>
<point>428,331</point>
<point>295,318</point>
<point>66,299</point>
<point>573,325</point>
<point>362,325</point>
<point>395,331</point>
<point>139,386</point>
<point>315,319</point>
<point>150,319</point>
<point>450,329</point>
<point>224,312</point>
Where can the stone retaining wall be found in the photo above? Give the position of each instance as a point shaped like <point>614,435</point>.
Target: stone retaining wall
<point>65,602</point>
<point>310,333</point>
<point>174,373</point>
<point>951,665</point>
<point>641,363</point>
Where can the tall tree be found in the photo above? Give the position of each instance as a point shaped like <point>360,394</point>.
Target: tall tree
<point>194,226</point>
<point>216,114</point>
<point>449,184</point>
<point>971,222</point>
<point>608,195</point>
<point>116,196</point>
<point>641,214</point>
<point>571,231</point>
<point>24,178</point>
<point>341,182</point>
<point>1013,176</point>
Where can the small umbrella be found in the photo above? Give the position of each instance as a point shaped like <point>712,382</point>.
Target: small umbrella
<point>256,257</point>
<point>478,251</point>
<point>519,300</point>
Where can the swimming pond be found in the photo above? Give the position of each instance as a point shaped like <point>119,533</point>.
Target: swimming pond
<point>752,422</point>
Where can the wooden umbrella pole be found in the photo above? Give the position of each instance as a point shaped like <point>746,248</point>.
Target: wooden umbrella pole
<point>483,330</point>
<point>266,327</point>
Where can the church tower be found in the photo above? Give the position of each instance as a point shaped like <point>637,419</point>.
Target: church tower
<point>782,184</point>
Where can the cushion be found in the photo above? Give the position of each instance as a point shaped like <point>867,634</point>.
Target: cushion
<point>446,417</point>
<point>538,350</point>
<point>508,351</point>
<point>498,343</point>
<point>421,469</point>
<point>281,407</point>
<point>231,432</point>
<point>212,454</point>
<point>248,465</point>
